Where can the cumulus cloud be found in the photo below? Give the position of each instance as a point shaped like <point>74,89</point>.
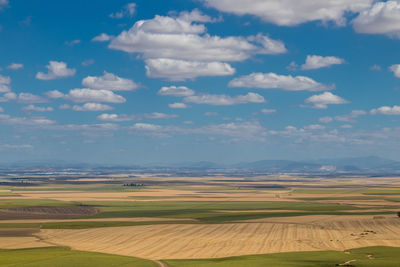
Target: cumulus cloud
<point>54,94</point>
<point>380,18</point>
<point>8,97</point>
<point>92,107</point>
<point>247,130</point>
<point>292,12</point>
<point>224,100</point>
<point>94,95</point>
<point>395,69</point>
<point>109,81</point>
<point>102,38</point>
<point>125,117</point>
<point>37,108</point>
<point>351,116</point>
<point>73,42</point>
<point>56,70</point>
<point>211,114</point>
<point>15,66</point>
<point>88,95</point>
<point>325,119</point>
<point>179,70</point>
<point>267,111</point>
<point>127,11</point>
<point>178,105</point>
<point>175,91</point>
<point>87,62</point>
<point>35,121</point>
<point>5,82</point>
<point>323,100</point>
<point>386,110</point>
<point>178,38</point>
<point>30,98</point>
<point>314,127</point>
<point>375,67</point>
<point>317,62</point>
<point>179,46</point>
<point>272,81</point>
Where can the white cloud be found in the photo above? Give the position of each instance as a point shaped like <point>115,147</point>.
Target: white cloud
<point>109,81</point>
<point>73,42</point>
<point>146,127</point>
<point>224,100</point>
<point>56,70</point>
<point>114,117</point>
<point>292,12</point>
<point>272,81</point>
<point>175,91</point>
<point>351,116</point>
<point>346,126</point>
<point>64,106</point>
<point>30,98</point>
<point>325,119</point>
<point>87,62</point>
<point>102,38</point>
<point>54,94</point>
<point>317,62</point>
<point>375,67</point>
<point>314,127</point>
<point>178,38</point>
<point>168,43</point>
<point>158,115</point>
<point>179,70</point>
<point>268,111</point>
<point>386,110</point>
<point>5,82</point>
<point>211,114</point>
<point>380,18</point>
<point>248,130</point>
<point>395,69</point>
<point>8,97</point>
<point>37,108</point>
<point>92,107</point>
<point>127,11</point>
<point>35,121</point>
<point>125,117</point>
<point>15,66</point>
<point>323,100</point>
<point>94,95</point>
<point>177,105</point>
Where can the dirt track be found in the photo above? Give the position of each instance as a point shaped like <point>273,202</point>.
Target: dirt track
<point>223,240</point>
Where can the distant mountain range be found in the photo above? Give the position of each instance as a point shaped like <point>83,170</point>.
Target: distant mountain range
<point>352,165</point>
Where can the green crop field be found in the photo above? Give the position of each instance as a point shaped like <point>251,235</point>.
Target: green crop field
<point>363,257</point>
<point>64,257</point>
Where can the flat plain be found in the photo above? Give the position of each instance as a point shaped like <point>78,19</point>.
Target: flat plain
<point>202,221</point>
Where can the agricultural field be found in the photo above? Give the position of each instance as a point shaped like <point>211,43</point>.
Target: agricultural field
<point>151,220</point>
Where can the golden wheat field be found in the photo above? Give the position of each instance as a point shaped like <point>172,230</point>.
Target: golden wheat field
<point>232,239</point>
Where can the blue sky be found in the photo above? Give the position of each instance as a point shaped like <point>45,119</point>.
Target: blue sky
<point>125,82</point>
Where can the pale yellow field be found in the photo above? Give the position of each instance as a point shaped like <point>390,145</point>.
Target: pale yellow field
<point>223,240</point>
<point>171,194</point>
